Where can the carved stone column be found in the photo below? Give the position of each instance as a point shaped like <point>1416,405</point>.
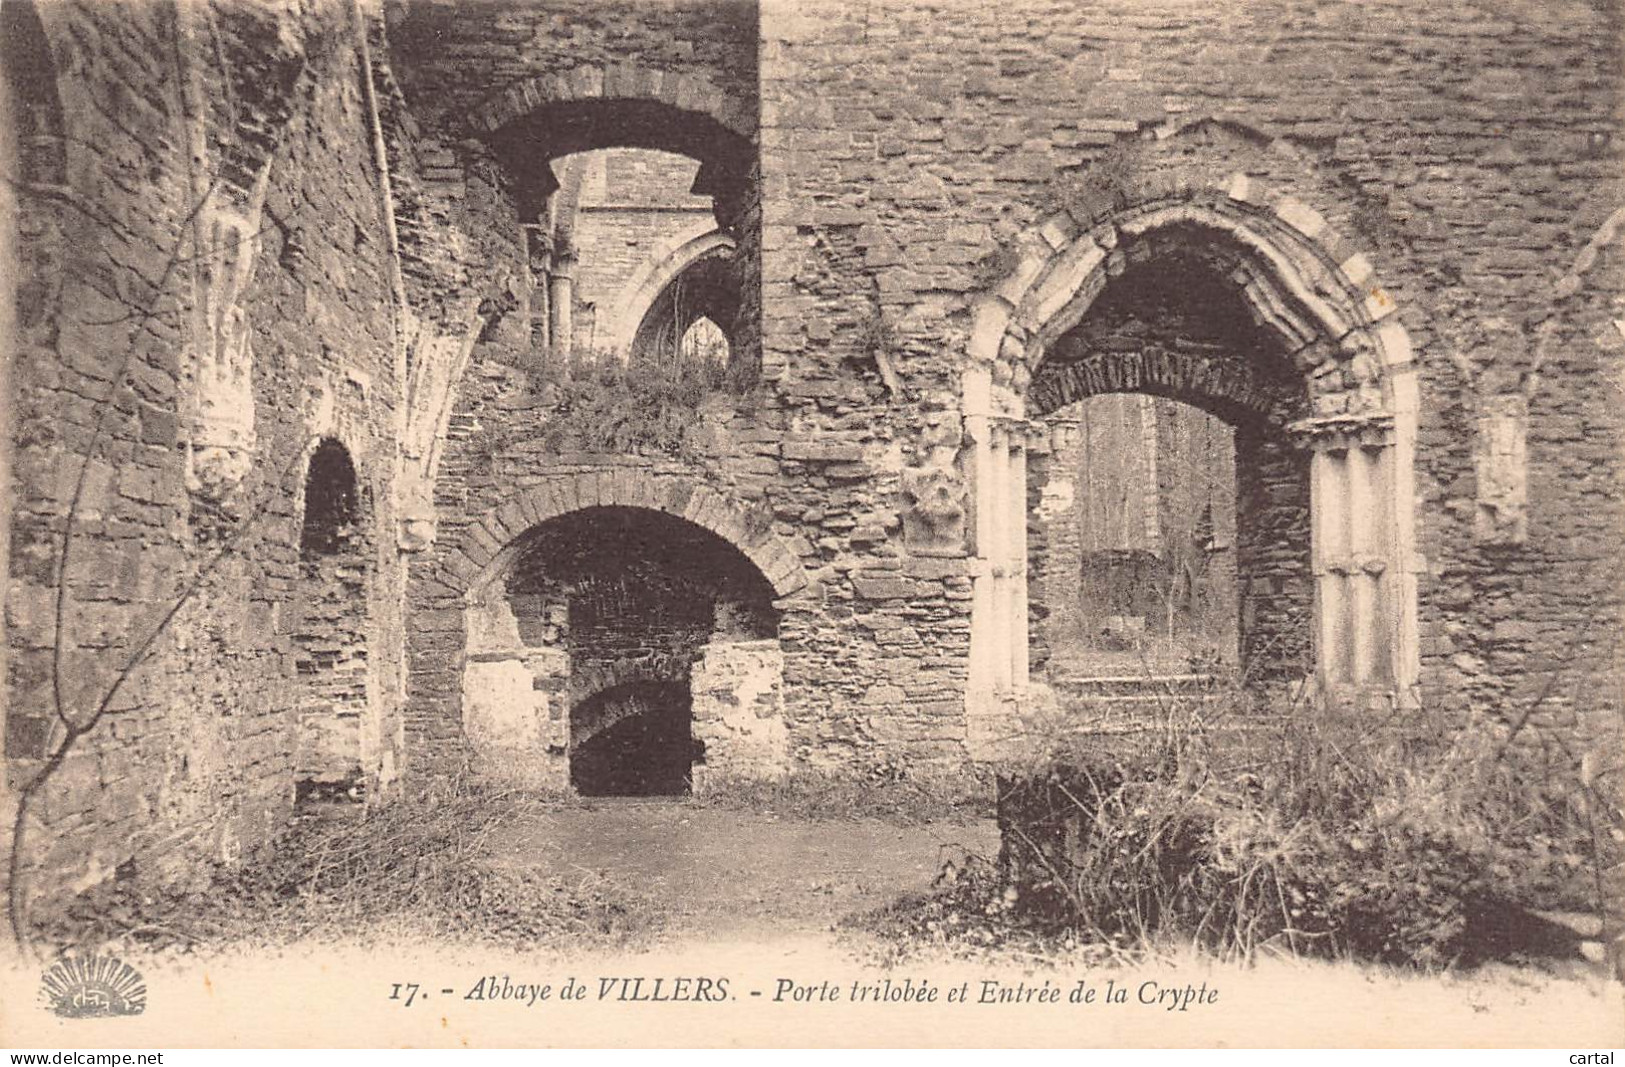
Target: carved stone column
<point>1352,552</point>
<point>560,303</point>
<point>976,405</point>
<point>1016,557</point>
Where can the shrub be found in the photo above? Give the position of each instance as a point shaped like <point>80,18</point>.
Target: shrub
<point>1318,834</point>
<point>610,404</point>
<point>973,910</point>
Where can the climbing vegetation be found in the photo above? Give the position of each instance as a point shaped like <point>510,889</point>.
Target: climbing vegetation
<point>605,403</point>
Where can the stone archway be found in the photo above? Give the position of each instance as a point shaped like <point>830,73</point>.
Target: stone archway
<point>590,583</point>
<point>622,81</point>
<point>489,544</point>
<point>626,105</point>
<point>649,286</point>
<point>621,105</point>
<point>1304,285</point>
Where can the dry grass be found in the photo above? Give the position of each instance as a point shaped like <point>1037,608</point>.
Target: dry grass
<point>905,796</point>
<point>419,868</point>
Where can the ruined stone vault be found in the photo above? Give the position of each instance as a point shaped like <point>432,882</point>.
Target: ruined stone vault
<point>628,397</point>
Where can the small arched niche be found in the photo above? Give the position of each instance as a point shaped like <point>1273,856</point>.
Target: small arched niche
<point>332,513</point>
<point>330,628</point>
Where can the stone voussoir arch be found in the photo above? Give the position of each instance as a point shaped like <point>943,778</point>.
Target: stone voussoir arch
<point>487,549</point>
<point>1301,278</point>
<point>582,731</point>
<point>613,81</point>
<point>588,680</point>
<point>1310,286</point>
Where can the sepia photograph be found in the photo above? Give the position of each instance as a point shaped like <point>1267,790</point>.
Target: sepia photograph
<point>812,523</point>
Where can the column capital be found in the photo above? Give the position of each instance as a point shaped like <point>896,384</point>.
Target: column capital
<point>1339,433</point>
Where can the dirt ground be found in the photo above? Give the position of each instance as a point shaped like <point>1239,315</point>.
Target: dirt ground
<point>752,897</point>
<point>738,875</point>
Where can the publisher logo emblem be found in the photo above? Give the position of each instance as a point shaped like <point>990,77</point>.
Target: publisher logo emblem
<point>93,987</point>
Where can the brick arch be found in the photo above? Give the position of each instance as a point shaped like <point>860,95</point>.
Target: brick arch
<point>616,712</point>
<point>1225,147</point>
<point>1610,232</point>
<point>271,76</point>
<point>1299,279</point>
<point>1546,328</point>
<point>488,548</point>
<point>1249,132</point>
<point>623,81</point>
<point>1299,276</point>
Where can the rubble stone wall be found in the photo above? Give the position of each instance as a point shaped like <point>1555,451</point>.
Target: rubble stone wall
<point>206,297</point>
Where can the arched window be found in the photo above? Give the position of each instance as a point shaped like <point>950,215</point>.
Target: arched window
<point>704,344</point>
<point>329,624</point>
<point>332,511</point>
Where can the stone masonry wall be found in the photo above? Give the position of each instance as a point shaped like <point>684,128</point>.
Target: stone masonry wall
<point>211,308</point>
<point>1472,148</point>
<point>451,56</point>
<point>895,171</point>
<point>216,273</point>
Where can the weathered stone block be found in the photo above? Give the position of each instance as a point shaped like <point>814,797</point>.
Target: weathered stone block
<point>882,586</point>
<point>1500,459</point>
<point>822,451</point>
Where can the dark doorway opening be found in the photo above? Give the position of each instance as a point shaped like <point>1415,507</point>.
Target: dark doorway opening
<point>642,746</point>
<point>1168,529</point>
<point>635,598</point>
